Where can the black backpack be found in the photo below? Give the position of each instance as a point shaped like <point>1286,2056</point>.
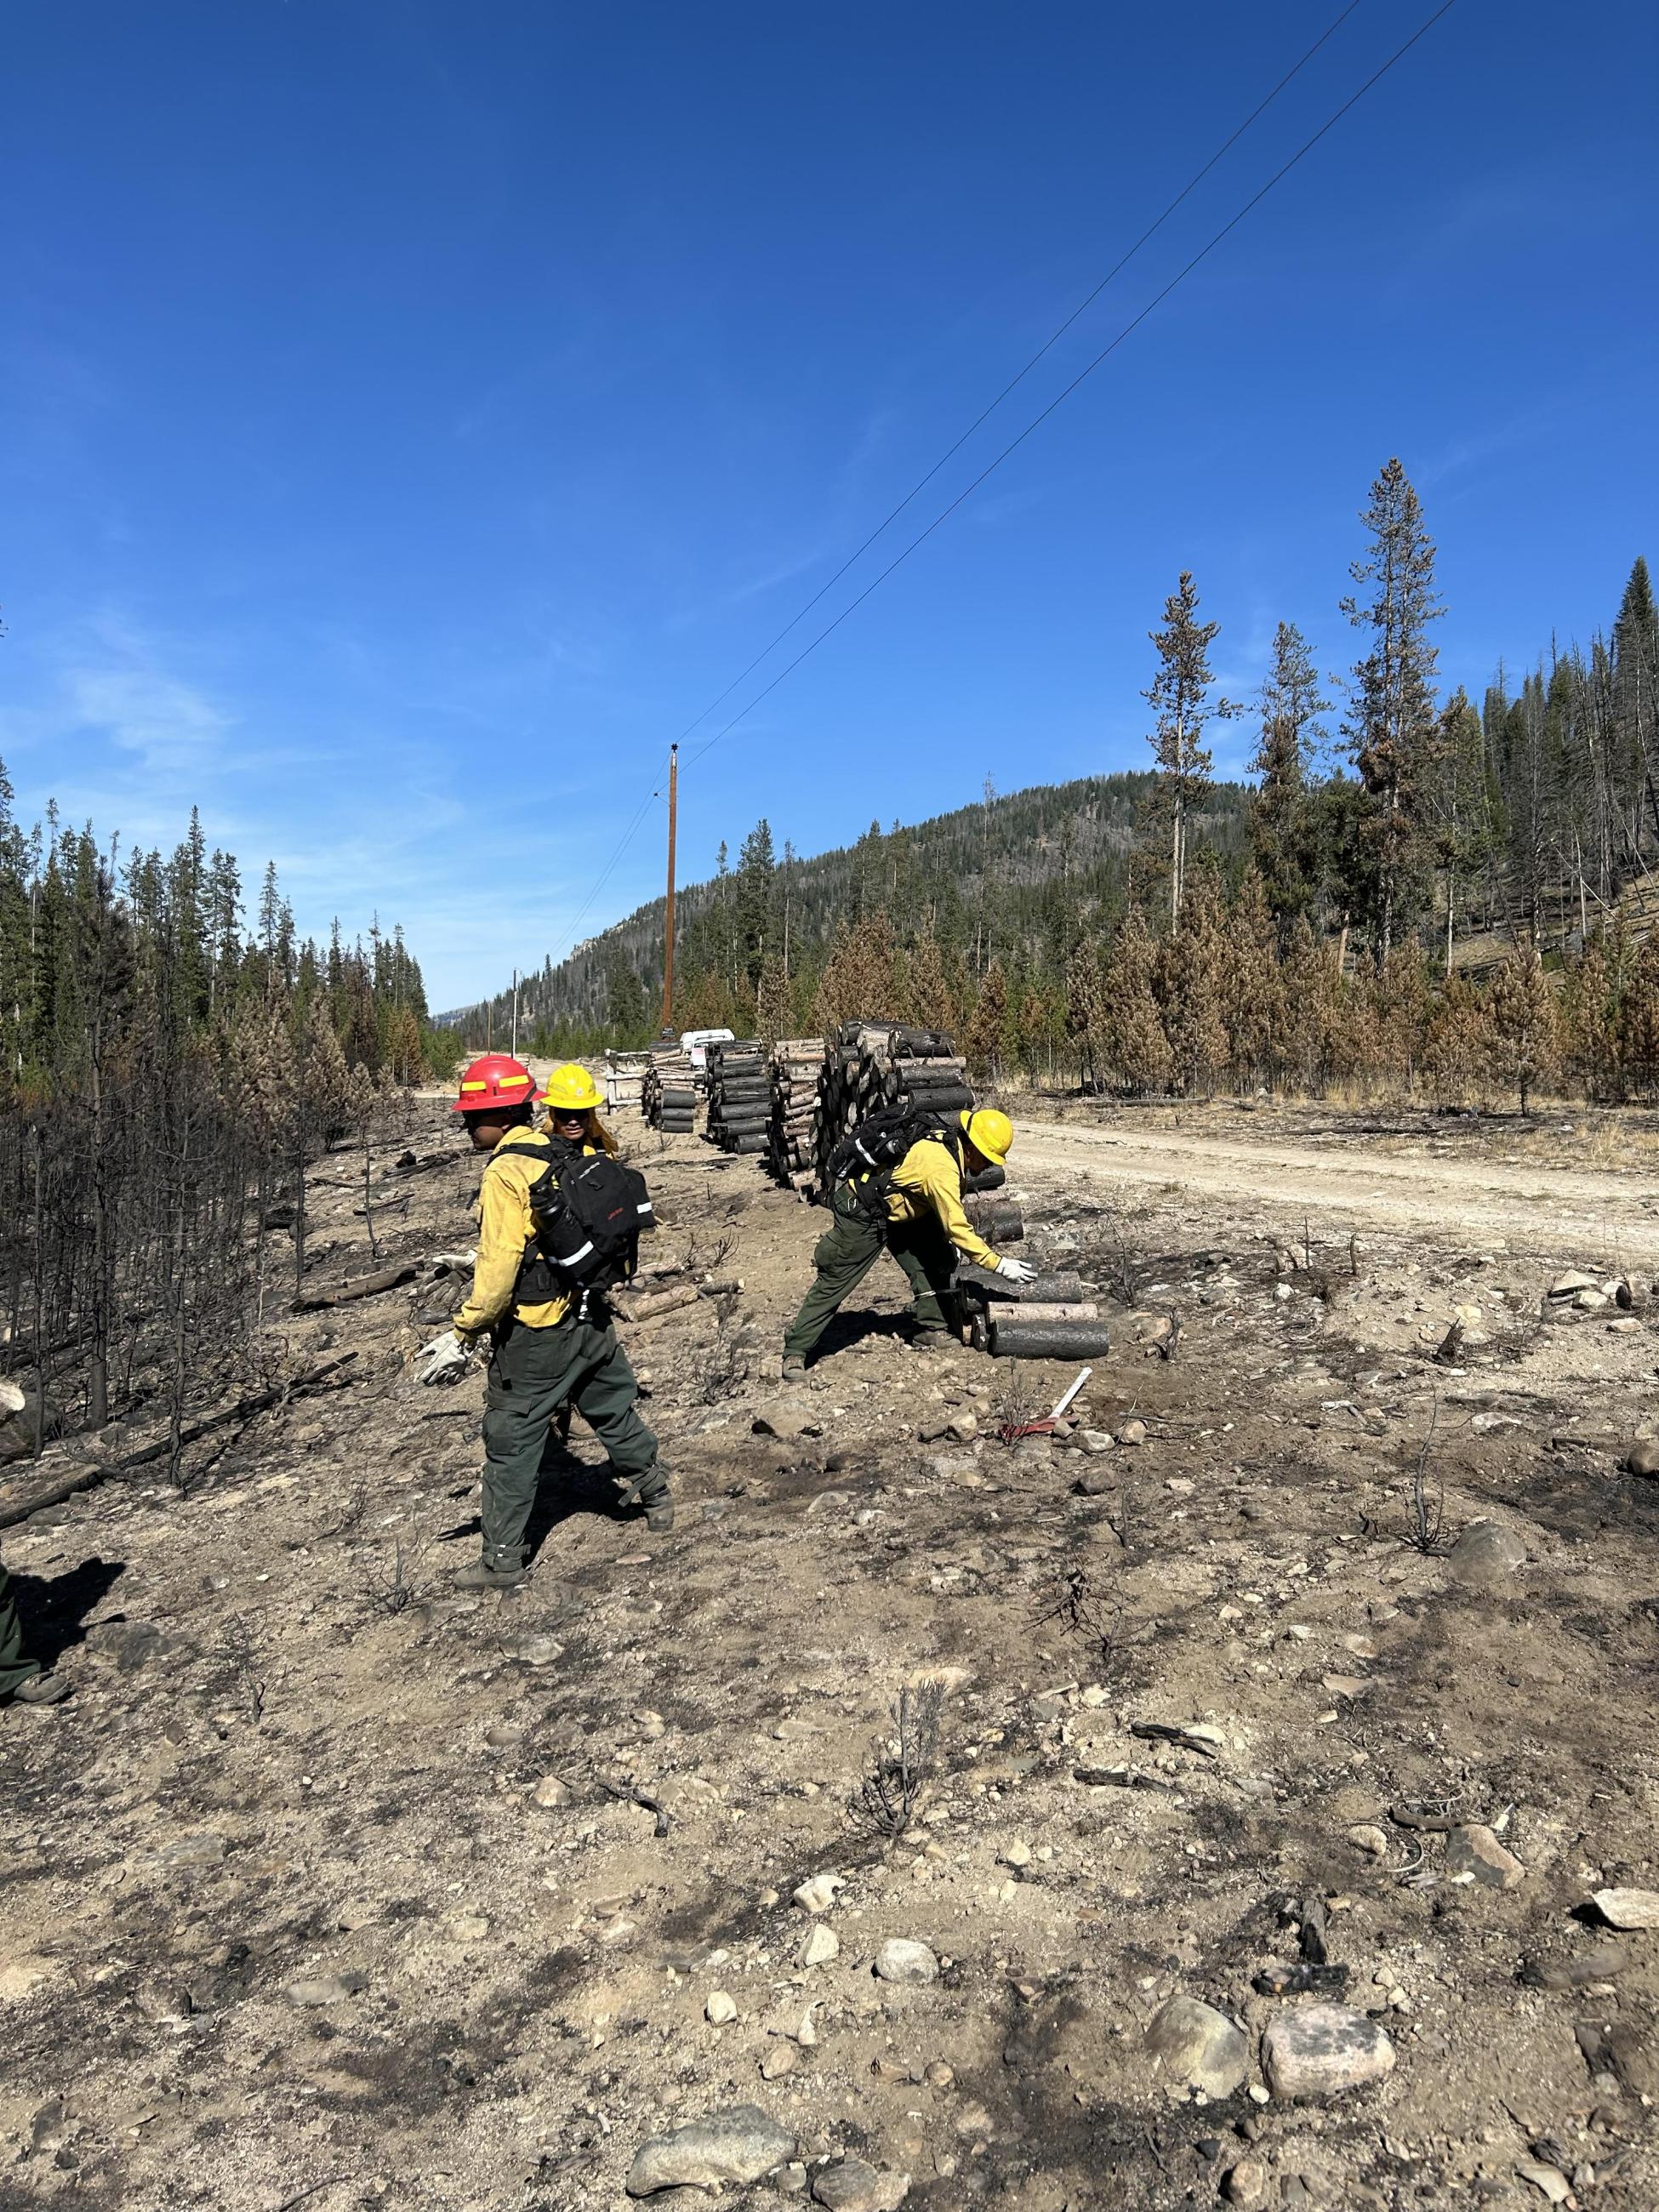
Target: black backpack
<point>588,1210</point>
<point>877,1145</point>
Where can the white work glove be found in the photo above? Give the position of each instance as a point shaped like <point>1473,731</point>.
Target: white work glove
<point>1017,1271</point>
<point>447,1358</point>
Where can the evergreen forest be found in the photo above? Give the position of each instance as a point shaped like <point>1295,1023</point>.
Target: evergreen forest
<point>1416,889</point>
<point>167,1075</point>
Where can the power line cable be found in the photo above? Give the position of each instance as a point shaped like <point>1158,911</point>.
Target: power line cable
<point>1156,300</point>
<point>1046,348</point>
<point>1082,376</point>
<point>605,873</point>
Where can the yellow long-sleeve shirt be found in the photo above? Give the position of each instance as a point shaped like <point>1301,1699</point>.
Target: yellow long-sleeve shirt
<point>505,1228</point>
<point>928,1180</point>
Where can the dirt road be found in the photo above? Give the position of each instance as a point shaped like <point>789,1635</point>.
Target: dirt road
<point>1458,1192</point>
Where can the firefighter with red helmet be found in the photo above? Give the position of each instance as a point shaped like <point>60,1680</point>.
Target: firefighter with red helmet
<point>547,1350</point>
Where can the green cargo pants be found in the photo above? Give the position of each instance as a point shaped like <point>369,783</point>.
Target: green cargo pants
<point>532,1372</point>
<point>16,1668</point>
<point>847,1251</point>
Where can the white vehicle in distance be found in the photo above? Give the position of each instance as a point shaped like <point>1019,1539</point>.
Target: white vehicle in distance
<point>695,1044</point>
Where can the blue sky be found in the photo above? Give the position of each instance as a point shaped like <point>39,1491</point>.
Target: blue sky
<point>411,415</point>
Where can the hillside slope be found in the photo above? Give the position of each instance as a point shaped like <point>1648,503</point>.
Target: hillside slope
<point>1052,846</point>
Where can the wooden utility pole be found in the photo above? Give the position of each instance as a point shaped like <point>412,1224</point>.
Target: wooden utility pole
<point>668,922</point>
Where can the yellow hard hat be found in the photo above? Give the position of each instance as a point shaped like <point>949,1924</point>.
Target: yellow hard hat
<point>572,1089</point>
<point>989,1131</point>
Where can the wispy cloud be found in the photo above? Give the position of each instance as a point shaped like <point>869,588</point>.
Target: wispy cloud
<point>169,724</point>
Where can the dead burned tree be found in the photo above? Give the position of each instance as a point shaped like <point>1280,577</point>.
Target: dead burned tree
<point>162,1078</point>
<point>903,1763</point>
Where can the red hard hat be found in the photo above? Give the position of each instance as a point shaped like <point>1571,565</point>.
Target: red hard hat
<point>496,1079</point>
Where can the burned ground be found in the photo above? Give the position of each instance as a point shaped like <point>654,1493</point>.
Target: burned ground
<point>293,1902</point>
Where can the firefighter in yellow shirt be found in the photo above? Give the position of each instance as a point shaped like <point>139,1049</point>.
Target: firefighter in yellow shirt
<point>544,1352</point>
<point>914,1210</point>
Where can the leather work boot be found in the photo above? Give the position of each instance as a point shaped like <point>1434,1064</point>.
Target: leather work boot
<point>43,1690</point>
<point>794,1367</point>
<point>496,1571</point>
<point>651,1491</point>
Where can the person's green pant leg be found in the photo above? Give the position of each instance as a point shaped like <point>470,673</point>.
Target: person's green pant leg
<point>15,1666</point>
<point>843,1257</point>
<point>532,1373</point>
<point>929,1262</point>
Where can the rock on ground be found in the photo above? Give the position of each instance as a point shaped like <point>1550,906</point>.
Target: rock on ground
<point>1321,2049</point>
<point>1200,2046</point>
<point>852,2186</point>
<point>903,1960</point>
<point>1487,1553</point>
<point>739,2144</point>
<point>1628,1908</point>
<point>1474,1849</point>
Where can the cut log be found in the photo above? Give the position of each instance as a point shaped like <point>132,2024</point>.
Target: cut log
<point>655,1303</point>
<point>1033,1314</point>
<point>1047,1289</point>
<point>1062,1340</point>
<point>365,1286</point>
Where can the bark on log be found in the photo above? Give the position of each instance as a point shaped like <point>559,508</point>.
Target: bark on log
<point>365,1286</point>
<point>1039,1315</point>
<point>1060,1339</point>
<point>1048,1290</point>
<point>654,1302</point>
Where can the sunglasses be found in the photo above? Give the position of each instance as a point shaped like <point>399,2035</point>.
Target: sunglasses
<point>581,1114</point>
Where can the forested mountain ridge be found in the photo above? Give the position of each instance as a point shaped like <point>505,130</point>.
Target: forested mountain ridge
<point>1158,930</point>
<point>1057,853</point>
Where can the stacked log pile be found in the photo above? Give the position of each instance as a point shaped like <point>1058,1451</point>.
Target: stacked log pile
<point>739,1097</point>
<point>624,1079</point>
<point>1050,1318</point>
<point>668,1094</point>
<point>797,1067</point>
<point>870,1066</point>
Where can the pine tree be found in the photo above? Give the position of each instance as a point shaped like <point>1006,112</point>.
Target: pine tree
<point>1588,1023</point>
<point>1457,1053</point>
<point>985,1043</point>
<point>1400,1001</point>
<point>1179,695</point>
<point>1253,999</point>
<point>1312,985</point>
<point>929,1001</point>
<point>753,917</point>
<point>1392,714</point>
<point>1461,810</point>
<point>772,1008</point>
<point>1281,831</point>
<point>1193,987</point>
<point>1638,1019</point>
<point>1135,1045</point>
<point>1526,1044</point>
<point>1085,1010</point>
<point>1635,686</point>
